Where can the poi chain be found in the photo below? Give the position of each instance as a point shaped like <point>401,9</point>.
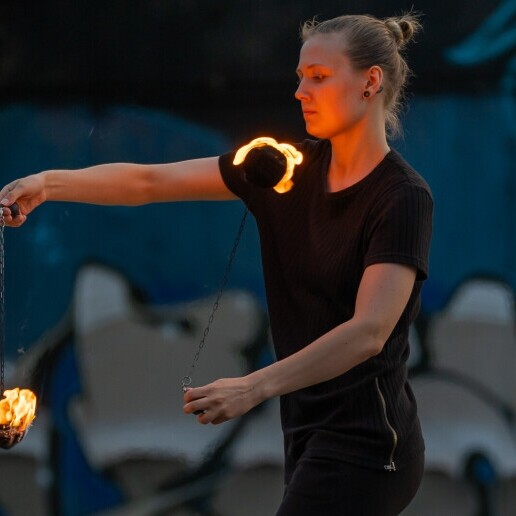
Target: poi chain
<point>293,157</point>
<point>17,406</point>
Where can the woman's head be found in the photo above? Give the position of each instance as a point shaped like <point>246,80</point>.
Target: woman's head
<point>368,41</point>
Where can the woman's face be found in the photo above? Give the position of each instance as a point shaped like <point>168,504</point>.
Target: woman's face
<point>330,90</point>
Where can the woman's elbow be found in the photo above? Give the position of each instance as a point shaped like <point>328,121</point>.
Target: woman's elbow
<point>146,186</point>
<point>376,337</point>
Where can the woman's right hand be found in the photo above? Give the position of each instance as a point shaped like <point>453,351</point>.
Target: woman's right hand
<point>27,193</point>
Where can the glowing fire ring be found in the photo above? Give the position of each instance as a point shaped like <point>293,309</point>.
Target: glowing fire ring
<point>292,155</point>
<point>17,411</point>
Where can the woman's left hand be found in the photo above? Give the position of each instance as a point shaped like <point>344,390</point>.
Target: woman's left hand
<point>221,400</point>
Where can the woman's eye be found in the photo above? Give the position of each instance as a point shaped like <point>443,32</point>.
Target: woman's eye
<point>318,77</point>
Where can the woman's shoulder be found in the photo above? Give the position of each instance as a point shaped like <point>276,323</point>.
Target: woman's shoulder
<point>403,174</point>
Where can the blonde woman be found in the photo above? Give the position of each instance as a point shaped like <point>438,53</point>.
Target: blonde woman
<point>345,253</point>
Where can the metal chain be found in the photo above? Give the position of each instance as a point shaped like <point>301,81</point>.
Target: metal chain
<point>2,306</point>
<point>187,380</point>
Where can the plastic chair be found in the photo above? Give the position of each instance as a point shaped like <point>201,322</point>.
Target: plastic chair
<point>132,358</point>
<point>466,397</point>
<point>255,483</point>
<point>475,337</point>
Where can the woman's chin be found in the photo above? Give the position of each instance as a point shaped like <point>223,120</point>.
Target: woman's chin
<point>312,131</point>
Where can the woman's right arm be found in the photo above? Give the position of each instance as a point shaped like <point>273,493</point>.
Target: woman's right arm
<point>124,184</point>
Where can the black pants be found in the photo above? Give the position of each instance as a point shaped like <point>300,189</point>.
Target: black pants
<point>324,487</point>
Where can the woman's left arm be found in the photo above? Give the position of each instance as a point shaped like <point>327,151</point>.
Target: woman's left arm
<point>383,293</point>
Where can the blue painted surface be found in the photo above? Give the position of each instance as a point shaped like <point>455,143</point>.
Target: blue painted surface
<point>465,146</point>
<point>172,251</point>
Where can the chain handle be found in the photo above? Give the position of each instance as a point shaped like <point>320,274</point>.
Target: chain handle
<point>187,380</point>
<point>2,306</point>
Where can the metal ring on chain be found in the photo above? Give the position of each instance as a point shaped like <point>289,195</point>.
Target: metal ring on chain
<point>185,382</point>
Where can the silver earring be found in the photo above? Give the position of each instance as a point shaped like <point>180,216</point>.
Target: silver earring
<point>366,94</point>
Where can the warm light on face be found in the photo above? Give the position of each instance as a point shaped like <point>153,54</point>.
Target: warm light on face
<point>292,155</point>
<point>17,411</point>
<point>330,88</point>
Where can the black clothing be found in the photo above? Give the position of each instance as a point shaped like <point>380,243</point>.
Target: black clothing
<point>323,487</point>
<point>315,247</point>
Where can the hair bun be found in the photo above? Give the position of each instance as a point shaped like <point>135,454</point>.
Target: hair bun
<point>403,28</point>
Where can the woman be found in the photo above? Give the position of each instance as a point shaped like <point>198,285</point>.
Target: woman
<point>344,252</point>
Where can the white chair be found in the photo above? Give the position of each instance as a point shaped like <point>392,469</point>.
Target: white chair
<point>255,484</point>
<point>132,359</point>
<point>467,398</point>
<point>474,337</point>
<point>456,423</point>
<point>482,299</point>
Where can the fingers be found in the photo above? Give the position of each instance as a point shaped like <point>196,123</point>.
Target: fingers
<point>12,215</point>
<point>212,416</point>
<point>220,401</point>
<point>195,403</point>
<point>8,195</point>
<point>206,409</point>
<point>10,209</point>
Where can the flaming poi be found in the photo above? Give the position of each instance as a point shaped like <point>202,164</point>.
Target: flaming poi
<point>17,412</point>
<point>18,406</point>
<point>292,155</point>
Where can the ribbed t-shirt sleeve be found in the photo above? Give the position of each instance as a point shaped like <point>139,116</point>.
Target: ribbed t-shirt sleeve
<point>402,229</point>
<point>234,178</point>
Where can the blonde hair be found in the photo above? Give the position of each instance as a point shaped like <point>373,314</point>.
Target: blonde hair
<point>370,41</point>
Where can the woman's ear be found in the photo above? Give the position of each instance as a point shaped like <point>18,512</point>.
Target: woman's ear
<point>374,78</point>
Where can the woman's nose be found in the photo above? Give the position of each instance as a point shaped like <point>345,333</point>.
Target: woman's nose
<point>300,93</point>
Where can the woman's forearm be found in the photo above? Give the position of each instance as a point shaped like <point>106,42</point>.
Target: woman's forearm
<point>122,184</point>
<point>111,184</point>
<point>331,355</point>
<point>132,184</point>
<point>382,296</point>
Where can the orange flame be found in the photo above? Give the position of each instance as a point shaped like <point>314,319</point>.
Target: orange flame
<point>18,408</point>
<point>292,155</point>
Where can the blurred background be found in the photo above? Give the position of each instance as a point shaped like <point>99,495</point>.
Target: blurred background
<point>105,307</point>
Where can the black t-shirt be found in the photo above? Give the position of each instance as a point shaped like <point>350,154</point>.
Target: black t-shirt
<point>315,246</point>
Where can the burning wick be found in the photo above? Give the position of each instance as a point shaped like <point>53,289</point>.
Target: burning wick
<point>17,411</point>
<point>292,156</point>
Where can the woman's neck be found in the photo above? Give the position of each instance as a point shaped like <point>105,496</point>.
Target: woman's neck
<point>353,158</point>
